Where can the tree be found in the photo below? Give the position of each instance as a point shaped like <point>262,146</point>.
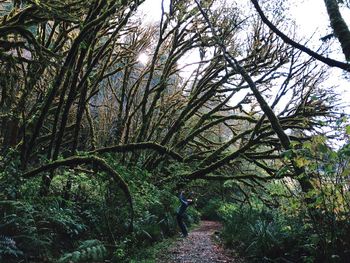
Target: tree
<point>328,61</point>
<point>77,104</point>
<point>127,102</point>
<point>340,28</point>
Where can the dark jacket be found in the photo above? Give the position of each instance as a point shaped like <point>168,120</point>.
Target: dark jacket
<point>184,204</point>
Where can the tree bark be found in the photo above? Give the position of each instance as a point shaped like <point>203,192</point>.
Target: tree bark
<point>340,28</point>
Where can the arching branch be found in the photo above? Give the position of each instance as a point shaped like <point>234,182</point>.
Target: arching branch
<point>239,177</point>
<point>140,146</point>
<point>98,164</point>
<point>268,111</point>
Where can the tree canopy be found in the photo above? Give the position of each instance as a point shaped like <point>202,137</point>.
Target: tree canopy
<point>250,109</point>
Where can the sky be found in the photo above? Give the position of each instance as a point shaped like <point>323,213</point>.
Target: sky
<point>308,16</point>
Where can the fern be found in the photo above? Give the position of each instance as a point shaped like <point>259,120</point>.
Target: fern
<point>64,220</point>
<point>8,247</point>
<point>88,250</point>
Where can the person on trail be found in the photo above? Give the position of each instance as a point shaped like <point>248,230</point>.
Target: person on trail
<point>180,215</point>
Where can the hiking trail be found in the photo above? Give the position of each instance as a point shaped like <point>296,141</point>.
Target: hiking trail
<point>198,247</point>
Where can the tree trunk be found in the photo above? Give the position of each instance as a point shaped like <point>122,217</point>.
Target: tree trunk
<point>341,30</point>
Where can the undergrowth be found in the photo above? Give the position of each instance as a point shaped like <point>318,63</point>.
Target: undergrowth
<point>89,226</point>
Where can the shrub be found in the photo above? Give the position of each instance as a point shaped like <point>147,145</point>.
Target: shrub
<point>89,250</point>
<point>8,248</point>
<point>211,210</point>
<point>265,235</point>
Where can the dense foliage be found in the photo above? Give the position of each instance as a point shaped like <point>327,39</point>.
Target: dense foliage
<point>284,227</point>
<point>91,225</point>
<point>96,143</point>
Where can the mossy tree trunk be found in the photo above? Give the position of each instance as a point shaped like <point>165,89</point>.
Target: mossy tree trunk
<point>340,28</point>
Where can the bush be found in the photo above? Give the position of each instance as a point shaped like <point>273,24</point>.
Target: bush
<point>265,235</point>
<point>211,210</point>
<point>91,224</point>
<point>89,250</point>
<point>8,248</point>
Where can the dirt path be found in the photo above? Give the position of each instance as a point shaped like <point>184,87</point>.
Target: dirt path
<point>198,247</point>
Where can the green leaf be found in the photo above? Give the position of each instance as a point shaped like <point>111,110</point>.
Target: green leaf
<point>282,171</point>
<point>319,139</point>
<point>294,143</point>
<point>301,162</point>
<point>347,129</point>
<point>307,145</point>
<point>287,154</point>
<point>321,147</point>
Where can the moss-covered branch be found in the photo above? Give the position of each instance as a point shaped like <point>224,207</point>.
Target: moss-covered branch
<point>97,164</point>
<point>140,146</point>
<point>340,28</point>
<point>328,61</point>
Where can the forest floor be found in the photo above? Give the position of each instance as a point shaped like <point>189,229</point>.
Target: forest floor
<point>199,247</point>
